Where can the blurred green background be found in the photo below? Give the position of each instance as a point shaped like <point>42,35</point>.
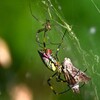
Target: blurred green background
<point>18,29</point>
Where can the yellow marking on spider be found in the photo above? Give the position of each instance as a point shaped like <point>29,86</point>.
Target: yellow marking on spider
<point>57,49</point>
<point>50,77</point>
<point>61,81</point>
<point>51,87</point>
<point>53,67</point>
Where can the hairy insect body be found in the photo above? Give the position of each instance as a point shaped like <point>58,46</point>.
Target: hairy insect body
<point>73,75</point>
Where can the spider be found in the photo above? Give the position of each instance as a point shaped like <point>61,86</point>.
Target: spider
<point>72,75</point>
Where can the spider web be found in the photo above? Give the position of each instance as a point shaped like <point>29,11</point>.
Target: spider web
<point>46,9</point>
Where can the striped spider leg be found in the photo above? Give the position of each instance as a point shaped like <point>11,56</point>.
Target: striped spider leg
<point>47,27</point>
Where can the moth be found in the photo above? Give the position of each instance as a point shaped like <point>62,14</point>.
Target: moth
<point>73,75</point>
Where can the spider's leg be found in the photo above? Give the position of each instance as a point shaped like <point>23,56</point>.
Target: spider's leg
<point>32,13</point>
<point>69,89</point>
<point>58,48</point>
<point>64,91</point>
<point>48,81</point>
<point>76,75</point>
<point>46,28</point>
<point>85,70</point>
<point>59,79</point>
<point>44,40</point>
<point>37,37</point>
<point>82,85</point>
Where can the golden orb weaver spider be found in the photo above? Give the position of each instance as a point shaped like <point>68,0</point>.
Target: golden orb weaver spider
<point>73,76</point>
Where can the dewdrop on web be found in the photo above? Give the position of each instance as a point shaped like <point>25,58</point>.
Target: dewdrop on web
<point>5,56</point>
